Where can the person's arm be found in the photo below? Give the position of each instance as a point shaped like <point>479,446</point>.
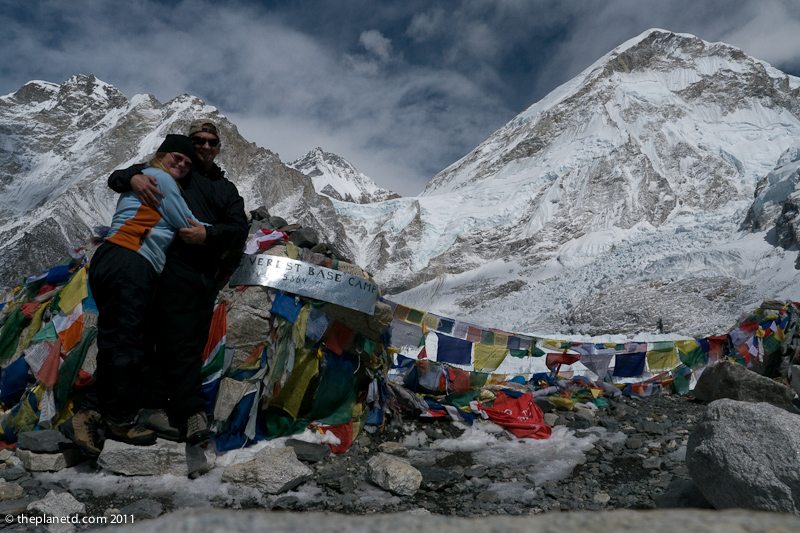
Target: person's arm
<point>173,208</point>
<point>230,233</point>
<point>132,179</point>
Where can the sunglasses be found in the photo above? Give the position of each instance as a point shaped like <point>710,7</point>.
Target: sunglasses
<point>199,141</point>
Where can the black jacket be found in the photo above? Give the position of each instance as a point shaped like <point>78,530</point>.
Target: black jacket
<point>213,199</point>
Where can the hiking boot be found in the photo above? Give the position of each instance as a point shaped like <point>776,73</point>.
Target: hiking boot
<point>84,430</point>
<point>158,421</point>
<point>197,429</point>
<point>132,433</point>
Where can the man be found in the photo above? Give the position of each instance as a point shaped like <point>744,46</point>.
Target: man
<point>197,266</point>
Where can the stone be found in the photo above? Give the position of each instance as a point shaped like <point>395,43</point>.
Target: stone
<point>394,474</point>
<point>633,443</point>
<point>602,498</point>
<point>230,392</point>
<point>285,502</point>
<point>57,504</point>
<point>163,457</point>
<point>13,472</point>
<point>743,454</point>
<point>142,509</point>
<point>651,463</point>
<point>272,470</point>
<point>681,493</point>
<point>476,471</point>
<point>310,452</point>
<point>434,478</point>
<point>5,455</point>
<point>44,441</point>
<point>393,448</point>
<point>248,320</point>
<point>49,462</point>
<point>551,419</point>
<point>795,381</point>
<point>15,507</point>
<point>10,491</point>
<point>653,428</point>
<point>734,381</point>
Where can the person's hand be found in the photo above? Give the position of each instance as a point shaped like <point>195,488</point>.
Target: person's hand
<point>146,188</point>
<point>195,234</point>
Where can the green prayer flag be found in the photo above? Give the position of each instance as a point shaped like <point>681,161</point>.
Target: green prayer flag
<point>68,371</point>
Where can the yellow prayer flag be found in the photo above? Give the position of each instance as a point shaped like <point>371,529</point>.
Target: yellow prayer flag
<point>662,356</point>
<point>687,345</point>
<point>74,292</point>
<point>560,402</point>
<point>552,344</point>
<point>33,327</point>
<point>487,357</point>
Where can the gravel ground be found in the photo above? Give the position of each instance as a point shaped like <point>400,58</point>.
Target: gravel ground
<point>636,463</point>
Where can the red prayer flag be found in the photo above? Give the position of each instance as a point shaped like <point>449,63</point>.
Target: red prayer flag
<point>554,360</point>
<point>338,337</point>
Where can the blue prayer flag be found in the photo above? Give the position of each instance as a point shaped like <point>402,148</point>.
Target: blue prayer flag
<point>453,350</point>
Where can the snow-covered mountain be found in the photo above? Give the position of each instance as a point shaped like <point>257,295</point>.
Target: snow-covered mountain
<point>658,186</point>
<point>337,178</point>
<point>611,205</point>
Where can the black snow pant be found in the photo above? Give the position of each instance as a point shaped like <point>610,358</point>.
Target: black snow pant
<point>122,283</point>
<point>184,304</point>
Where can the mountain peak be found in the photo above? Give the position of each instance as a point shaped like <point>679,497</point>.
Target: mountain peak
<point>337,178</point>
<point>34,91</point>
<point>87,85</point>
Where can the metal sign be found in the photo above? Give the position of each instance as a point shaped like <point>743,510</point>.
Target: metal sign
<point>305,279</point>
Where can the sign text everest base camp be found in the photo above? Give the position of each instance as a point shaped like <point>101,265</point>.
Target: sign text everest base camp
<point>305,279</point>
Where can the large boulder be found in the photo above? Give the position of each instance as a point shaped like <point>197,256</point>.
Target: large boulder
<point>734,381</point>
<point>745,455</point>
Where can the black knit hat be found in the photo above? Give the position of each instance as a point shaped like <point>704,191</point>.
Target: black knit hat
<point>178,143</point>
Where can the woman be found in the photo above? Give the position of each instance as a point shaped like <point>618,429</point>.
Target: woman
<point>122,278</point>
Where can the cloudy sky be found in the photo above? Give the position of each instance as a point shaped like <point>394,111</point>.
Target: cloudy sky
<point>400,89</point>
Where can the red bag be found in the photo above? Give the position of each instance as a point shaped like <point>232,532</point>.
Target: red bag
<point>520,416</point>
